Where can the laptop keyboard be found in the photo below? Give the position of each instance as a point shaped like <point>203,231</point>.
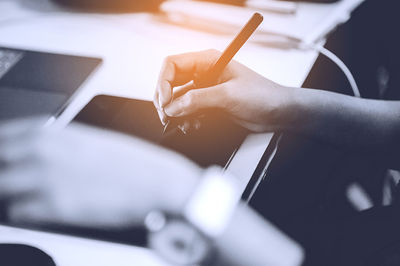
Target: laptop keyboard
<point>8,58</point>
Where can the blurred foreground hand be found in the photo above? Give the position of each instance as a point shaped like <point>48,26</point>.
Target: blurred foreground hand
<point>88,177</point>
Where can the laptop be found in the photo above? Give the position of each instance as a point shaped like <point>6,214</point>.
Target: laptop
<point>38,83</point>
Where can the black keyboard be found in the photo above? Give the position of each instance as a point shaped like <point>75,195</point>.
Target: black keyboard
<point>8,58</point>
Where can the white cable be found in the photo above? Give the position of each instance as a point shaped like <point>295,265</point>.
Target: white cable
<point>288,42</point>
<point>322,50</point>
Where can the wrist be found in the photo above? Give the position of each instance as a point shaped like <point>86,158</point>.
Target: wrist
<point>284,112</point>
<point>306,108</point>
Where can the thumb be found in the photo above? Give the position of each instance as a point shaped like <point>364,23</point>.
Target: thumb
<point>195,100</point>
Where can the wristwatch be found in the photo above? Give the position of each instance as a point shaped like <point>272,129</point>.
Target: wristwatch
<point>188,238</point>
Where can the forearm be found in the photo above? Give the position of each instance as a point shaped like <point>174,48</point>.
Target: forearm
<point>250,240</point>
<point>361,124</point>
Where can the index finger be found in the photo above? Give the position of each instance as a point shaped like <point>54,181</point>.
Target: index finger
<point>180,69</point>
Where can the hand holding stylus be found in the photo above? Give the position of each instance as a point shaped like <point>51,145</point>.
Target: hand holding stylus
<point>209,79</point>
<point>249,98</point>
<point>192,82</point>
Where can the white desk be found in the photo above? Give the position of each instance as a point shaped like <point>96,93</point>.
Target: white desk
<point>133,47</point>
<point>73,251</point>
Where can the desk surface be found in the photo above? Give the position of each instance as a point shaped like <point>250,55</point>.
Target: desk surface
<point>133,46</point>
<point>74,251</point>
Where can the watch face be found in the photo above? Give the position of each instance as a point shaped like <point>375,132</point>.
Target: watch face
<point>180,243</point>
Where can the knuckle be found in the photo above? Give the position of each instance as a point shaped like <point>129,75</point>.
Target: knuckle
<point>168,63</point>
<point>170,60</point>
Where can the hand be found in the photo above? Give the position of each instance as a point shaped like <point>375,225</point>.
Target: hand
<point>252,100</point>
<point>88,177</point>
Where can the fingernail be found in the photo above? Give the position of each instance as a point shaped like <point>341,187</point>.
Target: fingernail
<point>159,108</point>
<point>197,124</point>
<point>163,119</point>
<point>160,103</point>
<point>182,128</point>
<point>186,126</point>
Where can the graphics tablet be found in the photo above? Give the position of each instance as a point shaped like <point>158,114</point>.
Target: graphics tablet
<point>214,143</point>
